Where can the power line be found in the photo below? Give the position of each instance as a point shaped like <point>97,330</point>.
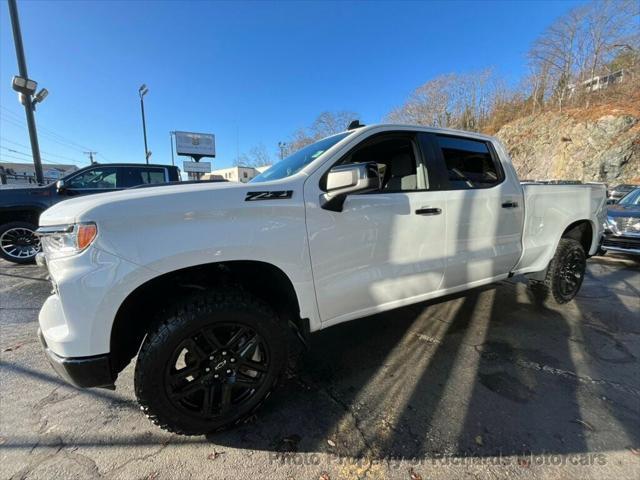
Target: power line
<point>4,139</point>
<point>45,130</point>
<point>29,155</point>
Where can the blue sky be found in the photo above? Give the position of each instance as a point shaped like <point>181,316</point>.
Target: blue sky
<point>249,72</point>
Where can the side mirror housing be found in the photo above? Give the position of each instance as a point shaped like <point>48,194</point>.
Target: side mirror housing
<point>344,180</point>
<point>60,186</point>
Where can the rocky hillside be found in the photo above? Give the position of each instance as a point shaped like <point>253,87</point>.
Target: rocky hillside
<point>597,144</point>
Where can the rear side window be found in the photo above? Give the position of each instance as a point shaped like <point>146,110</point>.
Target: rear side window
<point>469,163</point>
<point>134,176</point>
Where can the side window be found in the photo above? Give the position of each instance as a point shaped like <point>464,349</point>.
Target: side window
<point>102,177</point>
<point>469,163</point>
<point>153,175</point>
<point>396,161</point>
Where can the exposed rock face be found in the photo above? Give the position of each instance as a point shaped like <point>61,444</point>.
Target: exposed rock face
<point>564,146</point>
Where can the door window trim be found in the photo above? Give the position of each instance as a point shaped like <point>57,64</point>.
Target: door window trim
<point>441,167</point>
<point>410,135</point>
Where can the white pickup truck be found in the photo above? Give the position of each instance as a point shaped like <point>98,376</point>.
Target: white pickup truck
<point>206,283</point>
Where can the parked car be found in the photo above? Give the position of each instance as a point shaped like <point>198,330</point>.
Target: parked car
<point>619,191</point>
<point>622,229</point>
<point>21,207</point>
<point>210,285</point>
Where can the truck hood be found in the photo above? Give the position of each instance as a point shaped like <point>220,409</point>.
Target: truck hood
<point>125,204</point>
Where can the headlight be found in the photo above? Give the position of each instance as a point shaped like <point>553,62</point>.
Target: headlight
<point>66,240</point>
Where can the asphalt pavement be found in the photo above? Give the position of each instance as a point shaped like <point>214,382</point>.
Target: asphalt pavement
<point>486,384</point>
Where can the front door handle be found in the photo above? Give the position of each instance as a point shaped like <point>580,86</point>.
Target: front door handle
<point>428,211</point>
<point>510,204</point>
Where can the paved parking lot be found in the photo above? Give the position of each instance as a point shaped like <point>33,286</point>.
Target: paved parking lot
<point>486,384</point>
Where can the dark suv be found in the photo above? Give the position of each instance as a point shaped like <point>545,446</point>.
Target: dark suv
<point>20,208</point>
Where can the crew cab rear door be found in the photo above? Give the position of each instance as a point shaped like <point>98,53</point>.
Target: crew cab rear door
<point>385,248</point>
<point>485,210</point>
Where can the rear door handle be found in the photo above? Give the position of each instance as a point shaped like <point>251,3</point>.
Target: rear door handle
<point>428,211</point>
<point>510,204</point>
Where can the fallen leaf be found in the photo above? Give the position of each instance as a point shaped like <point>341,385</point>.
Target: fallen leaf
<point>214,455</point>
<point>153,476</point>
<point>331,443</point>
<point>12,348</point>
<point>324,476</point>
<point>414,475</point>
<point>586,424</point>
<point>635,451</point>
<point>523,462</point>
<point>479,439</point>
<point>2,440</point>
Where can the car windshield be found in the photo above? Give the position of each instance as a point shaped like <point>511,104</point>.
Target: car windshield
<point>296,162</point>
<point>632,198</point>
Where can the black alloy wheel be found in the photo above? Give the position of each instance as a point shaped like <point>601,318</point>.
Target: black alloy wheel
<point>210,361</point>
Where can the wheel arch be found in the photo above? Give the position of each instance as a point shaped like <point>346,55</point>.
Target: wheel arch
<point>139,311</point>
<point>581,231</point>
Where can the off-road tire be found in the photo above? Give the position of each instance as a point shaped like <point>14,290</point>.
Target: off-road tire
<point>10,226</point>
<point>550,288</point>
<point>198,311</point>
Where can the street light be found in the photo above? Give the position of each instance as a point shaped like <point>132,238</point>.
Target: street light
<point>25,88</point>
<point>142,91</point>
<point>282,146</point>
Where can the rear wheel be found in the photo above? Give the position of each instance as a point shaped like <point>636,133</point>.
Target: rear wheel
<point>19,242</point>
<point>565,273</point>
<point>211,363</point>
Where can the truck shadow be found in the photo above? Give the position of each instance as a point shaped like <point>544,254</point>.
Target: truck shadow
<point>482,374</point>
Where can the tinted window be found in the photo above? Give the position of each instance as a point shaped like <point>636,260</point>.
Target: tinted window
<point>102,177</point>
<point>133,176</point>
<point>396,162</point>
<point>469,163</point>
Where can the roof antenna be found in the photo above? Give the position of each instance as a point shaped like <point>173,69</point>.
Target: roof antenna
<point>354,124</point>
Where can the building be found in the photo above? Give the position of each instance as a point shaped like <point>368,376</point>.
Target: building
<point>15,173</point>
<point>235,174</point>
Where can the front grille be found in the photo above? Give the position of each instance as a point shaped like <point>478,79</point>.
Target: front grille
<point>617,242</point>
<point>627,224</point>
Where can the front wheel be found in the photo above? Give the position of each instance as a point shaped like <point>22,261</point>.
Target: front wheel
<point>565,273</point>
<point>19,242</point>
<point>211,363</point>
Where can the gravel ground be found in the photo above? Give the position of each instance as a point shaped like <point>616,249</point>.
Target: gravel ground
<point>488,384</point>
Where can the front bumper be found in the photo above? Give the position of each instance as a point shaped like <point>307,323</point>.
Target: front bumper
<point>621,243</point>
<point>83,372</point>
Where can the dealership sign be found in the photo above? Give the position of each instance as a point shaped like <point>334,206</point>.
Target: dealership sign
<point>197,167</point>
<point>195,145</point>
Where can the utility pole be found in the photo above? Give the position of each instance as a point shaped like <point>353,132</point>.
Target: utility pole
<point>26,88</point>
<point>142,91</point>
<point>91,154</point>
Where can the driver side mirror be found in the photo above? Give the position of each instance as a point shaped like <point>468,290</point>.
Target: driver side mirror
<point>60,186</point>
<point>347,179</point>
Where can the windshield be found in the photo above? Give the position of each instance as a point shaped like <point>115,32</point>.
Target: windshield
<point>296,162</point>
<point>632,198</point>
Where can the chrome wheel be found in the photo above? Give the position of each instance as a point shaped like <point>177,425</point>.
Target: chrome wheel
<point>19,243</point>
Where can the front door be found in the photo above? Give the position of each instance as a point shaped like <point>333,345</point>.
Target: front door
<point>386,248</point>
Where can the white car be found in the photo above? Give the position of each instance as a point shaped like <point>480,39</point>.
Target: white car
<point>206,283</point>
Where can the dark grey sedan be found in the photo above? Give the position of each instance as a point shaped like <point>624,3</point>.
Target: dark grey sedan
<point>622,229</point>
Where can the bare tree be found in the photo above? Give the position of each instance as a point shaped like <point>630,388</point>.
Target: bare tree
<point>257,156</point>
<point>325,124</point>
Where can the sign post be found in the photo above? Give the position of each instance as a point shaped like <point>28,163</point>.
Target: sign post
<point>196,146</point>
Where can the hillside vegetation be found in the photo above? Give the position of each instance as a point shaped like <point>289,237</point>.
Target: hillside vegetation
<point>596,143</point>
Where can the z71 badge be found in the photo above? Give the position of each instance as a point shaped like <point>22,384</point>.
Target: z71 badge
<point>276,195</point>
